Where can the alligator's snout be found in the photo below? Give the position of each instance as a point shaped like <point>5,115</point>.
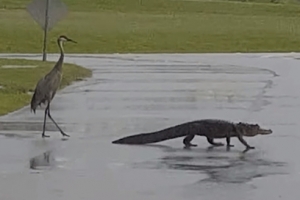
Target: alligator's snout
<point>266,131</point>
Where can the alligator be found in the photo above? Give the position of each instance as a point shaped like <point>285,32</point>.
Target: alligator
<point>210,128</point>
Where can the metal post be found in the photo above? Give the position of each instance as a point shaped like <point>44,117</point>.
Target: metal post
<point>45,31</point>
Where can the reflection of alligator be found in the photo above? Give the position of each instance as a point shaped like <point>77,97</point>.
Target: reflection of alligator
<point>210,128</point>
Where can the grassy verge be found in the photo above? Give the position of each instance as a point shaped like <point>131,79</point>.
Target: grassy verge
<point>16,83</point>
<point>121,26</point>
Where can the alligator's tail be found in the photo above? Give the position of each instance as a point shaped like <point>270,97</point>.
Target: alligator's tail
<point>158,136</point>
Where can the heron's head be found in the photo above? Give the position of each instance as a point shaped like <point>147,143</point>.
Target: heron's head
<point>64,38</point>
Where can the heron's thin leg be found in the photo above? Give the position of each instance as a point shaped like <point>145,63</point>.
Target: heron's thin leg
<point>61,131</point>
<point>44,127</point>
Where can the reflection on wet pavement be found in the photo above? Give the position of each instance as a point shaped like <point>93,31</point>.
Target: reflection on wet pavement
<point>220,166</point>
<point>45,160</point>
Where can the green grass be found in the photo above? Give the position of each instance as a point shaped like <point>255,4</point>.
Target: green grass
<point>17,83</point>
<point>122,26</point>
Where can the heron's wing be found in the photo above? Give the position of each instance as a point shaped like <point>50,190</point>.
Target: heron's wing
<point>45,89</point>
<point>41,93</point>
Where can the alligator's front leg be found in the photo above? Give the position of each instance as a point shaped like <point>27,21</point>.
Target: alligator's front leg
<point>240,137</point>
<point>187,141</point>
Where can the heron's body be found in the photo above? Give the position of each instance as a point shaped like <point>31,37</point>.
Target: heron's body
<point>48,85</point>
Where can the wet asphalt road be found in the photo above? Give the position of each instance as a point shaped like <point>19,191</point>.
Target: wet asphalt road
<point>129,94</point>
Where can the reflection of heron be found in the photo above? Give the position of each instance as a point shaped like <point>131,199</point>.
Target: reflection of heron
<point>47,86</point>
<point>41,160</point>
<point>230,98</point>
<point>213,93</point>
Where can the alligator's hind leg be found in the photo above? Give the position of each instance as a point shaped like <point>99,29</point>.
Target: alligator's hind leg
<point>228,142</point>
<point>187,141</point>
<point>211,141</point>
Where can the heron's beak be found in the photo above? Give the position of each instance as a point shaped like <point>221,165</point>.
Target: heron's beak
<point>69,40</point>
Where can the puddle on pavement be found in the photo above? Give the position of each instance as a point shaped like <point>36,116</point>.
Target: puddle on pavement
<point>220,166</point>
<point>43,161</point>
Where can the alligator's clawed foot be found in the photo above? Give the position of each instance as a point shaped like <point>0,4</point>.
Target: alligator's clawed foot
<point>248,148</point>
<point>188,146</point>
<point>228,147</point>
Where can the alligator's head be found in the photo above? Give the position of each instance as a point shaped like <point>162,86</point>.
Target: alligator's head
<point>251,130</point>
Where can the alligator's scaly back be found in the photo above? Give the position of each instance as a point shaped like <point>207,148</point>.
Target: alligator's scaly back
<point>165,134</point>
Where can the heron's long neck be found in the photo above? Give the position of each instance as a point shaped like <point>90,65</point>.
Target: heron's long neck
<point>60,61</point>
